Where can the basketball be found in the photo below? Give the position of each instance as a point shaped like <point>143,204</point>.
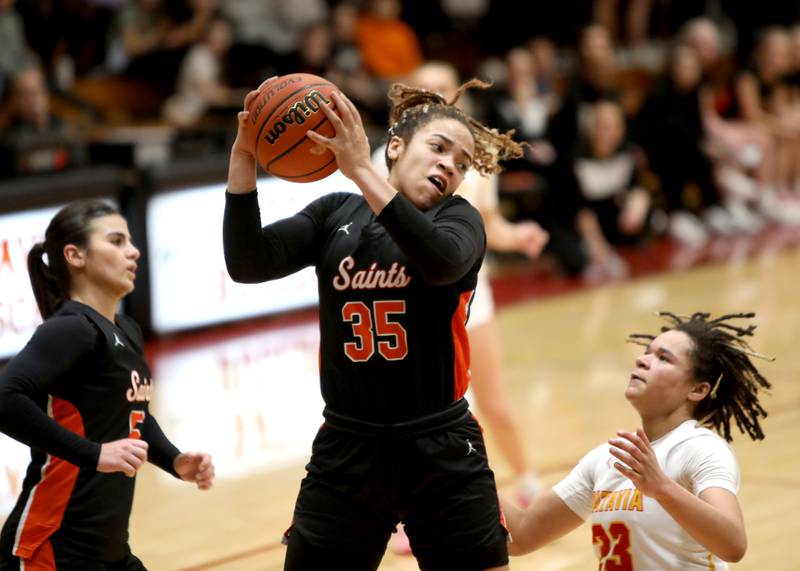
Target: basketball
<point>285,109</point>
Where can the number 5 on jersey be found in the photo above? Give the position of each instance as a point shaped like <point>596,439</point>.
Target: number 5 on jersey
<point>134,420</point>
<point>367,328</point>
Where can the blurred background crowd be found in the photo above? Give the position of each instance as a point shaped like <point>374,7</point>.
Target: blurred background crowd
<point>643,118</point>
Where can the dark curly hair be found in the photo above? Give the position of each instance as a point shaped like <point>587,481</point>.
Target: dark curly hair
<point>721,357</point>
<point>413,108</point>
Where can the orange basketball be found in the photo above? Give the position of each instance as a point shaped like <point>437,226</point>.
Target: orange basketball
<point>284,110</point>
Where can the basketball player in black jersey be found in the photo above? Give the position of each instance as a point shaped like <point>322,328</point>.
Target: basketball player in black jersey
<point>78,395</point>
<point>396,268</point>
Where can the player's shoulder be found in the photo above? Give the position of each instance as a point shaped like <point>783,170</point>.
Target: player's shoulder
<point>691,438</point>
<point>457,205</point>
<point>597,456</point>
<point>692,430</point>
<point>69,322</point>
<point>336,201</point>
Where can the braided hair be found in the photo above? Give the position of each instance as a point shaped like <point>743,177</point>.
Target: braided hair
<point>413,108</point>
<point>721,356</point>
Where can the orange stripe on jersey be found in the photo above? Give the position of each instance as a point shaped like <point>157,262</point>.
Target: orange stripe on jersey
<point>48,499</point>
<point>458,325</point>
<point>42,560</point>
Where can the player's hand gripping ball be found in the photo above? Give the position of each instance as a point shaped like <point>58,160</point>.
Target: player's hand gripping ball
<point>287,107</point>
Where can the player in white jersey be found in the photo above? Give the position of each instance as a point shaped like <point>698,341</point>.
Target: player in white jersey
<point>664,496</point>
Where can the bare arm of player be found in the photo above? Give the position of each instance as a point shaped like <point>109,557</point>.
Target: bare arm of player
<point>714,519</point>
<point>195,467</point>
<point>242,164</point>
<point>351,148</point>
<point>547,519</point>
<point>126,455</point>
<point>527,238</point>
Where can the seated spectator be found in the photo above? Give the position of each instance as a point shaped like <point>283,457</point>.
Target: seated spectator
<point>346,67</point>
<point>389,46</point>
<point>611,207</point>
<point>548,72</point>
<point>670,128</point>
<point>35,140</point>
<point>151,38</point>
<point>314,50</point>
<point>70,38</point>
<point>267,35</point>
<point>14,51</point>
<point>517,105</point>
<point>526,186</point>
<point>201,84</point>
<point>594,79</point>
<point>743,153</point>
<point>764,99</point>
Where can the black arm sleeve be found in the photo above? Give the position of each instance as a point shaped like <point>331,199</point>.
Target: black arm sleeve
<point>53,351</point>
<point>161,451</point>
<point>444,249</point>
<point>254,254</point>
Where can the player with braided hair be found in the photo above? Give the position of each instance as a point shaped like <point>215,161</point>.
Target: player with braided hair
<point>488,394</point>
<point>396,267</point>
<point>664,496</point>
<point>727,360</point>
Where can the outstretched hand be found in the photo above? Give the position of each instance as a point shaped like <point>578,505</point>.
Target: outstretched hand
<point>638,462</point>
<point>350,144</point>
<point>195,467</point>
<point>531,238</point>
<point>126,455</point>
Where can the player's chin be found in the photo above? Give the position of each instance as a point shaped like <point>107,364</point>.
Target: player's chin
<point>632,392</point>
<point>127,287</point>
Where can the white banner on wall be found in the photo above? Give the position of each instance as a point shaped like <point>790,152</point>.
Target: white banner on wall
<point>189,285</point>
<point>252,401</point>
<point>19,316</point>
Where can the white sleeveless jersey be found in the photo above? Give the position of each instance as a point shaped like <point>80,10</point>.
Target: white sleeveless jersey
<point>632,532</point>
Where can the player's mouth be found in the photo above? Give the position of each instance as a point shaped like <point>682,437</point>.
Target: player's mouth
<point>439,182</point>
<point>636,377</point>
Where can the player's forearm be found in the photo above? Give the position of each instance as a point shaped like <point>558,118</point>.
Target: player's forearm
<point>24,421</point>
<point>161,451</point>
<point>547,519</point>
<point>721,533</point>
<point>501,235</point>
<point>241,171</point>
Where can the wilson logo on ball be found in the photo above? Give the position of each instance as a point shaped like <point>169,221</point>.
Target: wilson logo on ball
<point>297,114</point>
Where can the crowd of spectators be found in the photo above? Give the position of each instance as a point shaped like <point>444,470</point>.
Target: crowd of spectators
<point>641,118</point>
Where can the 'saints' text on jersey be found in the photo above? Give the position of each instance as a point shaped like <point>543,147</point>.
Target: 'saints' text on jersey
<point>373,278</point>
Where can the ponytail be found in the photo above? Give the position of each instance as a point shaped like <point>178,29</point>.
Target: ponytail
<point>47,289</point>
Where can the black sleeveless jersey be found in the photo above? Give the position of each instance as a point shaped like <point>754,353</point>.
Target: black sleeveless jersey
<point>79,382</point>
<point>394,293</point>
